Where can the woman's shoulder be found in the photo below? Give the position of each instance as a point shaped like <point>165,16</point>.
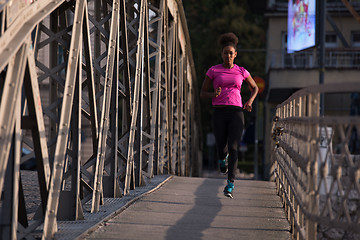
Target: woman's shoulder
<point>216,67</point>
<point>241,69</point>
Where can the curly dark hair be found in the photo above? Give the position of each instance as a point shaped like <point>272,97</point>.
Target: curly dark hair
<point>228,39</point>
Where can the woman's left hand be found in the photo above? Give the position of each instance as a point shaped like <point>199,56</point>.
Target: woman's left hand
<point>248,106</point>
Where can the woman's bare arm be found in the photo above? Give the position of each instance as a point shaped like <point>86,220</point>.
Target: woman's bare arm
<point>254,91</point>
<point>205,93</point>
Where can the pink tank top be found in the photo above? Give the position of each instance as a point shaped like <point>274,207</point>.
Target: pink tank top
<point>230,81</point>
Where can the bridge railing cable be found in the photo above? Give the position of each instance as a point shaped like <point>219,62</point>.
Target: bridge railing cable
<point>100,95</point>
<point>316,161</point>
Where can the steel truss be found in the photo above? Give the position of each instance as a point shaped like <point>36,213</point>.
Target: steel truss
<point>103,95</point>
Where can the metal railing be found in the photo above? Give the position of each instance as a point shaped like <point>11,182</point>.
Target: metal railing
<point>316,165</point>
<point>309,59</point>
<point>120,71</point>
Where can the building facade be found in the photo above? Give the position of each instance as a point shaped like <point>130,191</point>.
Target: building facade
<point>287,73</point>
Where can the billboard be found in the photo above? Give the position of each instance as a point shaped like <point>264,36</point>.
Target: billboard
<point>301,25</point>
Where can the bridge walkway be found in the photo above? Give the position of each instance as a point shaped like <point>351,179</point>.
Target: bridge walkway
<point>195,208</point>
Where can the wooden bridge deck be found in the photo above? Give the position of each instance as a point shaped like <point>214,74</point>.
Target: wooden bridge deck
<point>195,208</point>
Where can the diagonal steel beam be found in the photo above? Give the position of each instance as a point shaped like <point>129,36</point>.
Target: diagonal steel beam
<point>9,205</point>
<point>17,33</point>
<point>11,90</point>
<point>50,226</point>
<point>130,171</point>
<point>351,10</point>
<point>38,130</point>
<point>104,120</point>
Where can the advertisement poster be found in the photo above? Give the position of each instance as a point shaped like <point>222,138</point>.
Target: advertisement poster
<point>301,25</point>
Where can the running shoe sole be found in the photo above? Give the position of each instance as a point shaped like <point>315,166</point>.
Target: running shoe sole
<point>228,194</point>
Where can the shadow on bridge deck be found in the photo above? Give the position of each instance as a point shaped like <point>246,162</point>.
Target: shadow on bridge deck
<point>195,208</point>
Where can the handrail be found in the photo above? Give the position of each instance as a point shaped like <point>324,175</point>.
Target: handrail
<point>316,163</point>
<point>323,88</point>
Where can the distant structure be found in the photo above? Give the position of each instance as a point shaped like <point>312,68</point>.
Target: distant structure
<point>287,73</point>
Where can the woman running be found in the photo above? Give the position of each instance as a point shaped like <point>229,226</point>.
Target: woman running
<point>228,117</point>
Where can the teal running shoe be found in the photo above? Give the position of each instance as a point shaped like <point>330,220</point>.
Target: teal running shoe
<point>224,164</point>
<point>228,189</point>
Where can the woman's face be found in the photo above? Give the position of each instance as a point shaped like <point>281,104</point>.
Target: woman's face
<point>228,55</point>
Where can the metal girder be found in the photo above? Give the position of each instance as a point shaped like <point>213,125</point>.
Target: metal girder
<point>137,91</point>
<point>351,10</point>
<point>153,166</point>
<point>11,91</point>
<point>107,104</point>
<point>62,138</point>
<point>9,213</point>
<point>337,30</point>
<point>104,119</point>
<point>38,128</point>
<point>15,34</point>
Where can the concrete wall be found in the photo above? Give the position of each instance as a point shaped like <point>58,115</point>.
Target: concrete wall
<point>300,78</point>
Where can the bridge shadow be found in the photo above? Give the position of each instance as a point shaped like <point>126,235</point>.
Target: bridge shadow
<point>206,207</point>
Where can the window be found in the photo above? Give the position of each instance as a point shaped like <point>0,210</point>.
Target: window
<point>286,57</point>
<point>331,40</point>
<point>355,39</point>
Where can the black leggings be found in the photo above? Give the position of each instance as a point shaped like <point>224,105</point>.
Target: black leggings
<point>228,125</point>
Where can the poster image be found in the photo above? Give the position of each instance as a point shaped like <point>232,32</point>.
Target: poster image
<point>301,25</point>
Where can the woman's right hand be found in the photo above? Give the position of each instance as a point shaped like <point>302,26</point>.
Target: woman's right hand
<point>217,91</point>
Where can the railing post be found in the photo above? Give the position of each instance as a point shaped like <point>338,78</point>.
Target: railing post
<point>312,168</point>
